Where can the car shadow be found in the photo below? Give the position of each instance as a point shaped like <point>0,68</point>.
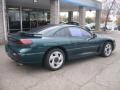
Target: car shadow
<point>82,59</point>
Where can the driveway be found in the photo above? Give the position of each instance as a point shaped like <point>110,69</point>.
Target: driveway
<point>92,73</point>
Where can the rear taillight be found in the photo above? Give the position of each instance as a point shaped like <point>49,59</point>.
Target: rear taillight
<point>24,41</point>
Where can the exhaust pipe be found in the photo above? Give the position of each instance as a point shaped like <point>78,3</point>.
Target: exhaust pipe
<point>20,64</point>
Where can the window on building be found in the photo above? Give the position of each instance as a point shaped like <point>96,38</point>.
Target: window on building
<point>14,19</point>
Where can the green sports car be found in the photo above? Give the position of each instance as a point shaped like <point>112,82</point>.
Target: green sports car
<point>52,45</point>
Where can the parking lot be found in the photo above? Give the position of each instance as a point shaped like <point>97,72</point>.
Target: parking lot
<point>92,73</point>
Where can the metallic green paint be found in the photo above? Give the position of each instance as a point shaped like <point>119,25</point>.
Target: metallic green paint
<point>34,53</point>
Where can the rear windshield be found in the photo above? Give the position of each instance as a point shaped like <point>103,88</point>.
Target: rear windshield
<point>43,30</point>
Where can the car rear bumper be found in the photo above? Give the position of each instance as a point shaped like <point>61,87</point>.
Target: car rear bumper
<point>28,58</point>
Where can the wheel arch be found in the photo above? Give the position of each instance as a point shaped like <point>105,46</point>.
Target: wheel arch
<point>100,49</point>
<point>111,43</point>
<point>56,47</point>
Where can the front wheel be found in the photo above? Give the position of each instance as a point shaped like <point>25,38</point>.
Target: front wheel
<point>107,49</point>
<point>55,59</point>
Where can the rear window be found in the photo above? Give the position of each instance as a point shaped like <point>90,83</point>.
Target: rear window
<point>47,30</point>
<point>41,28</point>
<point>44,30</point>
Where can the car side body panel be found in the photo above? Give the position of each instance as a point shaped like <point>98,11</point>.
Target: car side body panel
<point>74,48</point>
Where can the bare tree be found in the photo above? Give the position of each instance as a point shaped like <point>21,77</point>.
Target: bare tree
<point>108,6</point>
<point>117,8</point>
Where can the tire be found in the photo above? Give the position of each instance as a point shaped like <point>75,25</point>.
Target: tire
<point>55,59</point>
<point>107,49</point>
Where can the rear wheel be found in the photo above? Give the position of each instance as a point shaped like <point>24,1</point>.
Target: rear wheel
<point>55,59</point>
<point>107,49</point>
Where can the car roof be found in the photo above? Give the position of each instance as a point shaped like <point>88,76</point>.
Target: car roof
<point>64,25</point>
<point>67,25</point>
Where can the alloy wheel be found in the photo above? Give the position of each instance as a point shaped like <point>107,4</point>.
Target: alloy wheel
<point>108,49</point>
<point>56,59</point>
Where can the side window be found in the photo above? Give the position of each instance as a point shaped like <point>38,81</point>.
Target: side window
<point>75,32</point>
<point>78,32</point>
<point>85,34</point>
<point>62,33</point>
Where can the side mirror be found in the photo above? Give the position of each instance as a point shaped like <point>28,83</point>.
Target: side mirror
<point>94,35</point>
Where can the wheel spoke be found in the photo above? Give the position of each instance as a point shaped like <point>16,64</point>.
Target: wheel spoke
<point>52,61</point>
<point>56,54</point>
<point>60,57</point>
<point>52,56</point>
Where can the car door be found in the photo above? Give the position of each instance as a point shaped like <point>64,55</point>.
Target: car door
<point>92,42</point>
<point>82,42</point>
<point>63,38</point>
